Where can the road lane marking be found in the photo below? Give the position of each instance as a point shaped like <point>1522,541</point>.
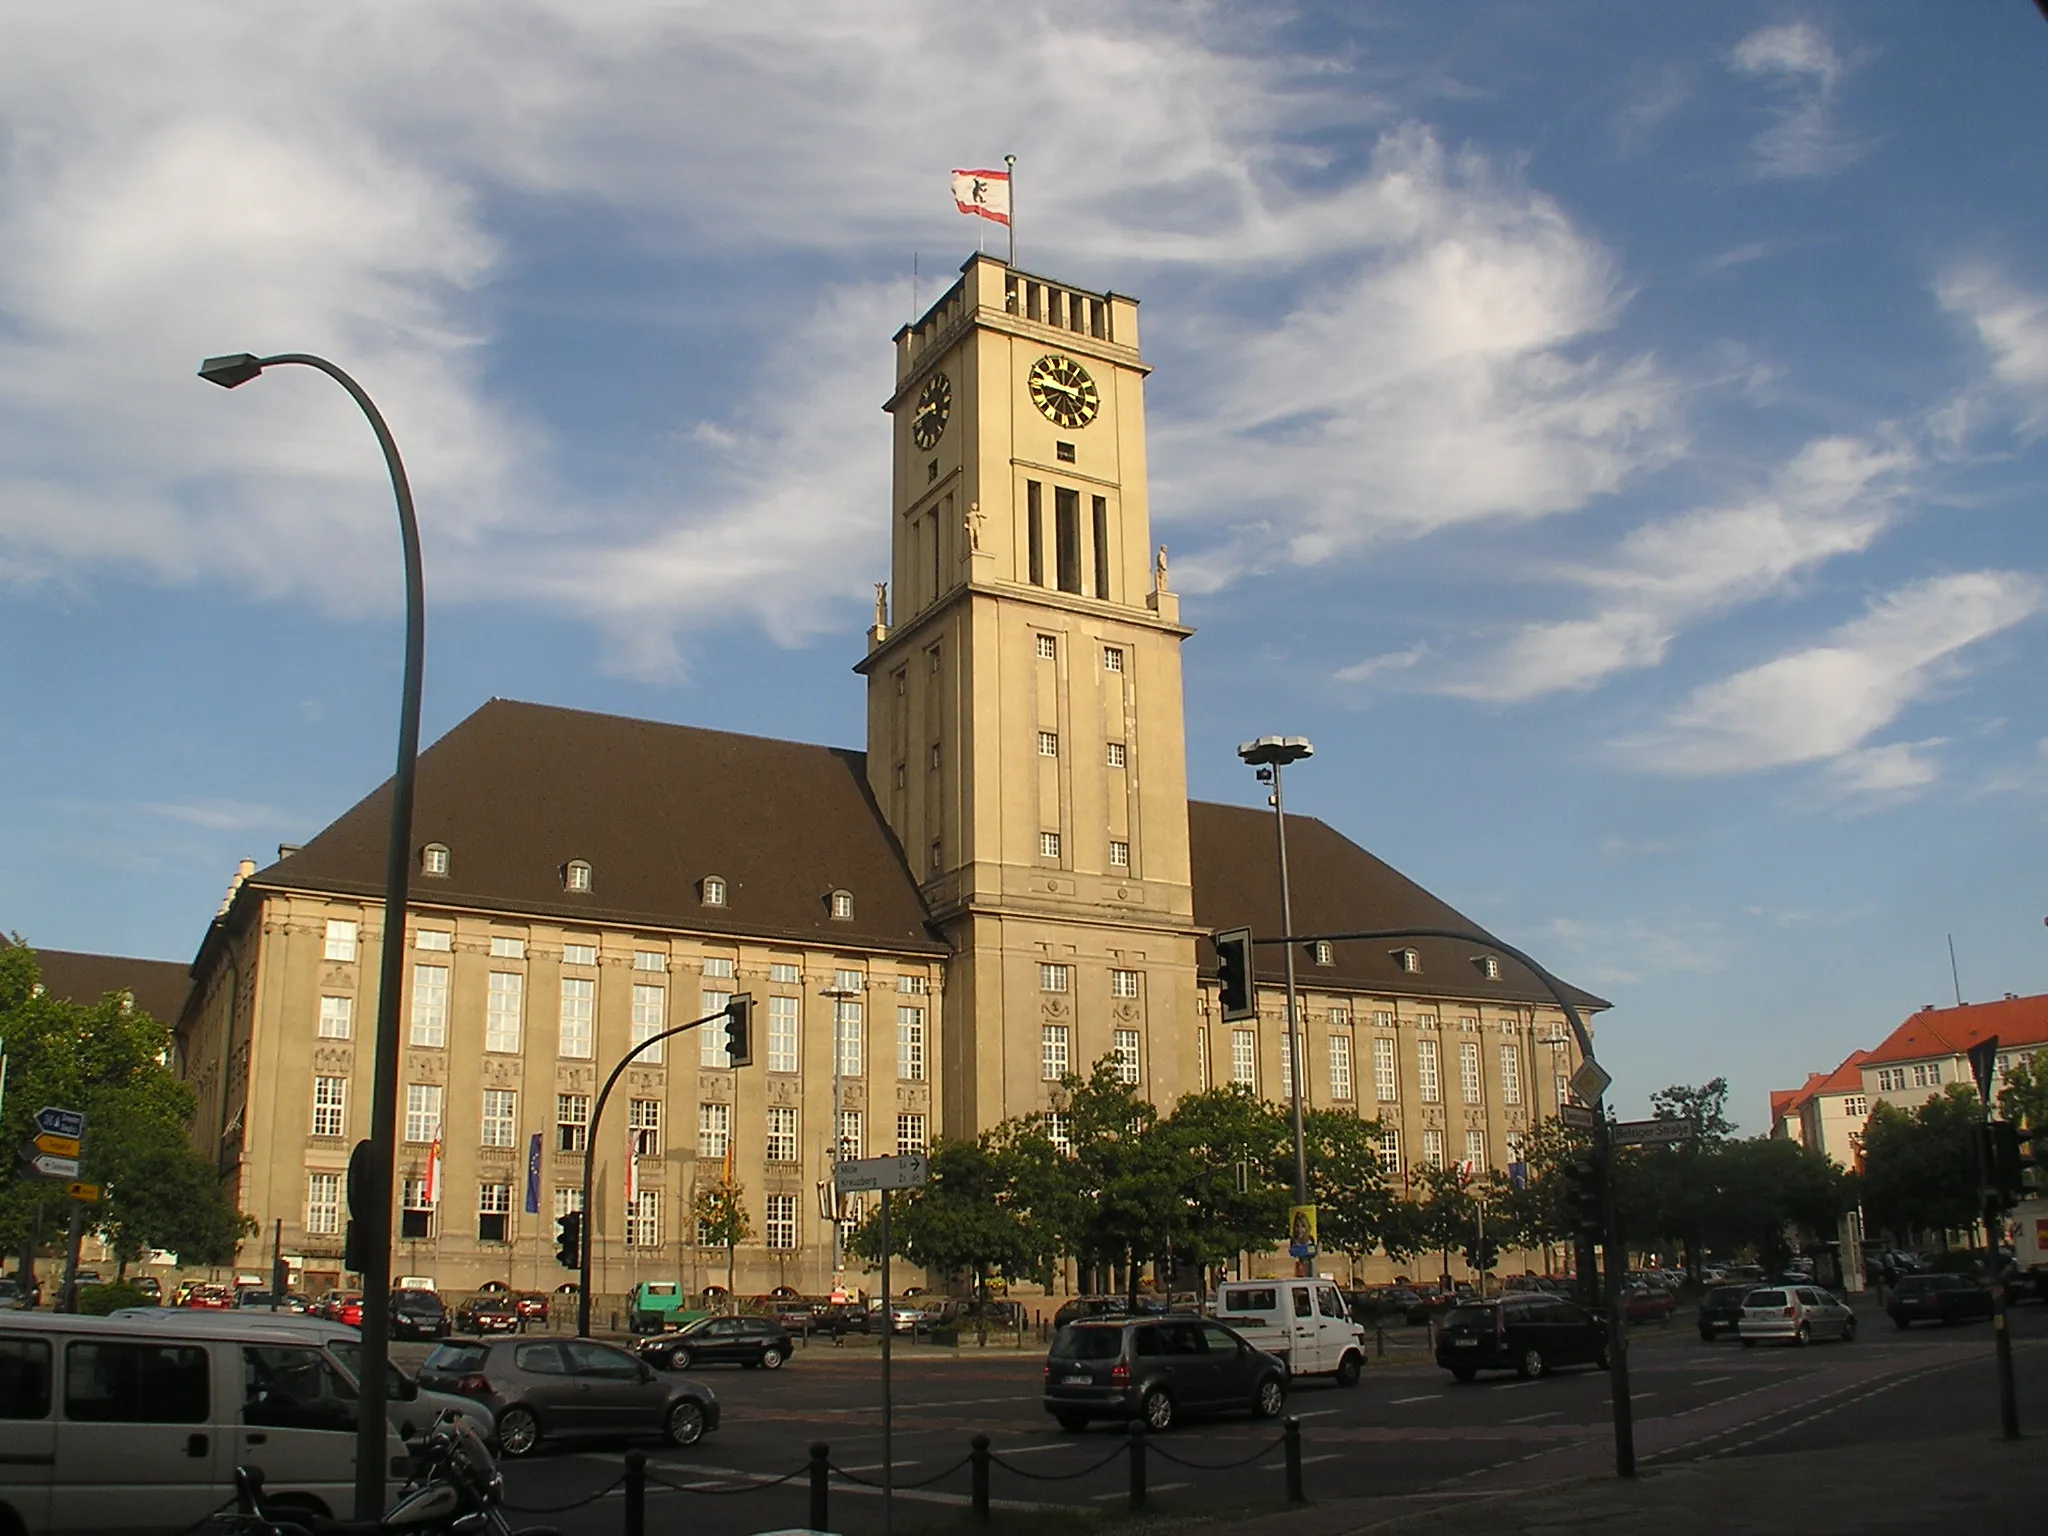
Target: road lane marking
<point>1427,1397</point>
<point>1033,1450</point>
<point>1125,1493</point>
<point>1634,1395</point>
<point>1306,1461</point>
<point>876,1466</point>
<point>1712,1381</point>
<point>1531,1418</point>
<point>1317,1413</point>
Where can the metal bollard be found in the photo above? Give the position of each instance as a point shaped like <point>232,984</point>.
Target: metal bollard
<point>821,1473</point>
<point>636,1493</point>
<point>1291,1442</point>
<point>1137,1465</point>
<point>1380,1337</point>
<point>979,1473</point>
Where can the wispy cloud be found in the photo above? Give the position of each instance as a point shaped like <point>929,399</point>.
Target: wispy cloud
<point>223,815</point>
<point>1825,701</point>
<point>2011,323</point>
<point>1803,69</point>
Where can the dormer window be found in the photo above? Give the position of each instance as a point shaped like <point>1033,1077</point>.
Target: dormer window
<point>712,890</point>
<point>576,877</point>
<point>434,859</point>
<point>1410,960</point>
<point>1324,952</point>
<point>1489,966</point>
<point>840,905</point>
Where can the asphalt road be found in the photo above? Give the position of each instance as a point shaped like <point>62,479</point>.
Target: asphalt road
<point>1407,1430</point>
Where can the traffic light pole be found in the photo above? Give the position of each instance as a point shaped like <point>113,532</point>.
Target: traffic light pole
<point>739,1010</point>
<point>2008,1391</point>
<point>1603,1153</point>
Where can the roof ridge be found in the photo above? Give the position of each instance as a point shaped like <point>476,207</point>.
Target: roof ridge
<point>643,720</point>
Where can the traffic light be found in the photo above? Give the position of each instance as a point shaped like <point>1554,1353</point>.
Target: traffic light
<point>569,1240</point>
<point>739,1030</point>
<point>2014,1153</point>
<point>1582,1195</point>
<point>1240,994</point>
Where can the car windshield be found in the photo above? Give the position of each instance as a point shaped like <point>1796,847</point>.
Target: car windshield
<point>417,1299</point>
<point>1469,1317</point>
<point>458,1358</point>
<point>1765,1299</point>
<point>1088,1343</point>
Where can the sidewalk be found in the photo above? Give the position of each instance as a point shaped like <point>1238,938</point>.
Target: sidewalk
<point>1935,1484</point>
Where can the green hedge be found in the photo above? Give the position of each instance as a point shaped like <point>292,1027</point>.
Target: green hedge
<point>99,1300</point>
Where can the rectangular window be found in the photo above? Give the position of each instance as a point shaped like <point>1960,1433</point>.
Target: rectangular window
<point>1034,531</point>
<point>1048,744</point>
<point>1510,1072</point>
<point>502,1010</point>
<point>914,986</point>
<point>341,939</point>
<point>108,1381</point>
<point>643,1127</point>
<point>785,974</point>
<point>337,1017</point>
<point>1053,978</point>
<point>1048,648</point>
<point>1426,1072</point>
<point>1112,659</point>
<point>719,967</point>
<point>1300,1053</point>
<point>650,960</point>
<point>1340,1066</point>
<point>1475,1150</point>
<point>430,1005</point>
<point>1119,854</point>
<point>849,1023</point>
<point>1340,1016</point>
<point>714,1130</point>
<point>501,1117</point>
<point>1468,1070</point>
<point>1386,1081</point>
<point>1390,1151</point>
<point>435,939</point>
<point>579,1009</point>
<point>1048,845</point>
<point>422,1112</point>
<point>1057,1133</point>
<point>1116,756</point>
<point>910,1045</point>
<point>1856,1107</point>
<point>1053,1057</point>
<point>910,1134</point>
<point>778,1224</point>
<point>643,1220</point>
<point>330,1106</point>
<point>650,1015</point>
<point>579,954</point>
<point>493,1213</point>
<point>781,1133</point>
<point>572,1122</point>
<point>1244,1057</point>
<point>504,948</point>
<point>567,1200</point>
<point>782,1033</point>
<point>849,981</point>
<point>416,1212</point>
<point>1066,508</point>
<point>1433,1148</point>
<point>323,1204</point>
<point>1125,1048</point>
<point>1101,507</point>
<point>851,1141</point>
<point>1123,984</point>
<point>1202,1059</point>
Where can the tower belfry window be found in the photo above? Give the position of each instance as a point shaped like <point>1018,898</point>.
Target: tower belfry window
<point>1067,517</point>
<point>1034,531</point>
<point>1102,547</point>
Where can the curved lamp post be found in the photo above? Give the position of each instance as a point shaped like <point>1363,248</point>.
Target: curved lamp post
<point>370,1195</point>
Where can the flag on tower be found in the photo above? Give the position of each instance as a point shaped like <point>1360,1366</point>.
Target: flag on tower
<point>432,1193</point>
<point>632,1176</point>
<point>985,194</point>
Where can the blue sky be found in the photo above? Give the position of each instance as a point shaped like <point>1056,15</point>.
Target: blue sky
<point>1612,433</point>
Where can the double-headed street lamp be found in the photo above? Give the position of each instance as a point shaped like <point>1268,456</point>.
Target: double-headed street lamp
<point>371,1168</point>
<point>1271,754</point>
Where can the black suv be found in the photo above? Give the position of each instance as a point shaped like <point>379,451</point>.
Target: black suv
<point>747,1341</point>
<point>418,1315</point>
<point>1158,1369</point>
<point>1721,1310</point>
<point>1529,1335</point>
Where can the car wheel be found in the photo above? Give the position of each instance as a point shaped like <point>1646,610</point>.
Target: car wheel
<point>1530,1365</point>
<point>1749,1343</point>
<point>1802,1336</point>
<point>1849,1331</point>
<point>771,1359</point>
<point>1706,1334</point>
<point>518,1432</point>
<point>1465,1372</point>
<point>1271,1401</point>
<point>1349,1369</point>
<point>1603,1361</point>
<point>685,1424</point>
<point>1072,1423</point>
<point>679,1359</point>
<point>1157,1410</point>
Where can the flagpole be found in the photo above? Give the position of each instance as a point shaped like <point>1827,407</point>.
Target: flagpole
<point>1010,164</point>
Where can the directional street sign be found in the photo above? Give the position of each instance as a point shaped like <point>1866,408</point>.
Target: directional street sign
<point>57,1146</point>
<point>86,1192</point>
<point>47,1167</point>
<point>906,1172</point>
<point>1577,1116</point>
<point>1652,1133</point>
<point>1590,1081</point>
<point>60,1122</point>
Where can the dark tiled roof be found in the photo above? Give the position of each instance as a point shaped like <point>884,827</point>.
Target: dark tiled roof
<point>158,986</point>
<point>2017,1021</point>
<point>517,790</point>
<point>1338,887</point>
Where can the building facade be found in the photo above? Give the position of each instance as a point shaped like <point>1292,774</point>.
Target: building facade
<point>1009,885</point>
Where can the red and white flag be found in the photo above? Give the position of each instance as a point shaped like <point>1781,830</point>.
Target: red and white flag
<point>985,194</point>
<point>432,1192</point>
<point>632,1177</point>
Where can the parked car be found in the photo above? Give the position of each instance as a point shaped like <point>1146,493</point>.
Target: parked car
<point>1798,1314</point>
<point>1938,1299</point>
<point>418,1315</point>
<point>492,1313</point>
<point>1721,1310</point>
<point>150,1286</point>
<point>1529,1335</point>
<point>349,1310</point>
<point>11,1297</point>
<point>533,1306</point>
<point>747,1341</point>
<point>1081,1307</point>
<point>1305,1323</point>
<point>1159,1370</point>
<point>1649,1304</point>
<point>209,1298</point>
<point>558,1389</point>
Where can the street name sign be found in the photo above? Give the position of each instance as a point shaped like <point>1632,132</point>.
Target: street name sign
<point>48,1167</point>
<point>57,1146</point>
<point>60,1122</point>
<point>1577,1116</point>
<point>1590,1081</point>
<point>855,1175</point>
<point>1652,1133</point>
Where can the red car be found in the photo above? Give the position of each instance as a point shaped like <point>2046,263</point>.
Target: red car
<point>1650,1304</point>
<point>210,1298</point>
<point>532,1305</point>
<point>348,1310</point>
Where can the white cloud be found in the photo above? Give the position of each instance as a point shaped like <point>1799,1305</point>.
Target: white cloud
<point>1826,700</point>
<point>1376,666</point>
<point>1889,770</point>
<point>1833,498</point>
<point>2011,323</point>
<point>1801,65</point>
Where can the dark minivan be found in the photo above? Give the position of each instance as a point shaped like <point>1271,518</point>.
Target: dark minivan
<point>1158,1369</point>
<point>1529,1335</point>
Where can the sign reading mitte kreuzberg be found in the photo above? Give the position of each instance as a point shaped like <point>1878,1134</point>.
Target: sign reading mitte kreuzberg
<point>1652,1133</point>
<point>905,1172</point>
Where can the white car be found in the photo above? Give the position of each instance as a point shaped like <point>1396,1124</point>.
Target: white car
<point>1795,1314</point>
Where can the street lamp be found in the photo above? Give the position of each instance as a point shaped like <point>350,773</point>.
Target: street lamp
<point>841,997</point>
<point>1269,755</point>
<point>373,1217</point>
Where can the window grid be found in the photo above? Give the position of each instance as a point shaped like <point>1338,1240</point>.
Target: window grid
<point>1117,755</point>
<point>1244,1057</point>
<point>501,1011</point>
<point>778,1224</point>
<point>650,960</point>
<point>643,1220</point>
<point>1057,1133</point>
<point>422,1112</point>
<point>572,1122</point>
<point>430,1005</point>
<point>1426,1072</point>
<point>711,1043</point>
<point>714,1130</point>
<point>782,1033</point>
<point>1433,1148</point>
<point>579,954</point>
<point>1048,845</point>
<point>910,1134</point>
<point>493,1213</point>
<point>1054,978</point>
<point>1119,854</point>
<point>850,1023</point>
<point>1048,744</point>
<point>1048,648</point>
<point>501,1116</point>
<point>1386,1078</point>
<point>785,974</point>
<point>567,1200</point>
<point>1340,1066</point>
<point>1475,1150</point>
<point>505,947</point>
<point>1112,659</point>
<point>330,1106</point>
<point>1468,1070</point>
<point>1123,984</point>
<point>340,939</point>
<point>1390,1151</point>
<point>1510,1072</point>
<point>650,1009</point>
<point>910,1045</point>
<point>851,1138</point>
<point>1053,1052</point>
<point>579,1010</point>
<point>439,939</point>
<point>337,1017</point>
<point>781,1134</point>
<point>643,1127</point>
<point>1126,1050</point>
<point>720,967</point>
<point>323,1204</point>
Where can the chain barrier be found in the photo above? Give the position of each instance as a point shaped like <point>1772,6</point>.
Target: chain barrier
<point>557,1509</point>
<point>1219,1466</point>
<point>1057,1477</point>
<point>754,1483</point>
<point>923,1482</point>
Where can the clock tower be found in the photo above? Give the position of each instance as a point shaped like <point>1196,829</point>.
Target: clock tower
<point>1025,735</point>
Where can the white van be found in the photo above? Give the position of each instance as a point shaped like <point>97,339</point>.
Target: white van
<point>116,1426</point>
<point>1305,1322</point>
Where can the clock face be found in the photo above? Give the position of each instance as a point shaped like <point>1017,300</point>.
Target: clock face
<point>934,405</point>
<point>1063,392</point>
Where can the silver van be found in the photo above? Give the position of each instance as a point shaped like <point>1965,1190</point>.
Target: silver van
<point>115,1426</point>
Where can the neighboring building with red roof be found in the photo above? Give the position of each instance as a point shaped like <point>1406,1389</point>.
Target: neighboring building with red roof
<point>1930,1050</point>
<point>1827,1112</point>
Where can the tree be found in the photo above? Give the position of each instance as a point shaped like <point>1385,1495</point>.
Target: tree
<point>721,1211</point>
<point>2023,1098</point>
<point>1212,1136</point>
<point>1445,1217</point>
<point>1128,1182</point>
<point>108,1059</point>
<point>1706,1106</point>
<point>1762,1188</point>
<point>1919,1173</point>
<point>1347,1181</point>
